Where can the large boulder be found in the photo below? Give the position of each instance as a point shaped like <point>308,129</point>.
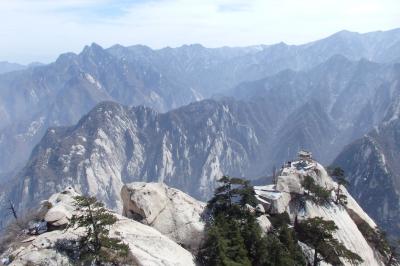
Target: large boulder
<point>170,211</point>
<point>60,207</point>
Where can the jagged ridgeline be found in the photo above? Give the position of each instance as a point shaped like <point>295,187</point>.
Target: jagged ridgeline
<point>296,220</point>
<point>60,93</point>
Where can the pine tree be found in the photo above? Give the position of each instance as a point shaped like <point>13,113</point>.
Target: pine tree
<point>96,247</point>
<point>290,253</point>
<point>338,174</point>
<point>233,236</point>
<point>288,238</point>
<point>278,254</point>
<point>315,192</point>
<point>215,253</point>
<point>318,234</point>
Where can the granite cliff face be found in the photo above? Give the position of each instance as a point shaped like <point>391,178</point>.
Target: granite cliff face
<point>283,196</point>
<point>60,93</point>
<point>189,148</point>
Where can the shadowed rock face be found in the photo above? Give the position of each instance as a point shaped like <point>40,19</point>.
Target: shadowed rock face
<point>328,106</point>
<point>372,167</point>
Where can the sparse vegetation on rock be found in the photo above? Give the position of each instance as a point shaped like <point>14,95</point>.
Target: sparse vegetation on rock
<point>318,234</point>
<point>96,247</point>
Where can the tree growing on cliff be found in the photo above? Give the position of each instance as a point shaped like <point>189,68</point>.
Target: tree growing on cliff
<point>95,246</point>
<point>315,192</point>
<point>338,174</point>
<point>234,237</point>
<point>318,234</point>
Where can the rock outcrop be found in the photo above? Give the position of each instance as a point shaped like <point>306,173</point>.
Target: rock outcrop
<point>282,197</point>
<point>170,211</point>
<point>163,226</point>
<point>60,207</point>
<point>147,246</point>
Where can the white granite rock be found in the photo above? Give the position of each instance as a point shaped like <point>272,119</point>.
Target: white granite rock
<point>260,208</point>
<point>61,207</point>
<point>347,232</point>
<point>264,223</point>
<point>346,218</point>
<point>148,247</point>
<point>170,211</point>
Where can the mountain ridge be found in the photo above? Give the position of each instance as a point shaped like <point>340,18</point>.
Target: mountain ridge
<point>163,79</point>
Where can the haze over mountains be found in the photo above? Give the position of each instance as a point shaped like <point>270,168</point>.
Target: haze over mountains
<point>6,67</point>
<point>268,102</point>
<point>61,92</point>
<point>372,165</point>
<point>9,67</point>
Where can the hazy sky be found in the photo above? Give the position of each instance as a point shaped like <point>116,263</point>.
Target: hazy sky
<point>39,30</point>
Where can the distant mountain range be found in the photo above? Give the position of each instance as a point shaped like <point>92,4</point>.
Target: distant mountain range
<point>324,108</point>
<point>123,114</point>
<point>60,93</point>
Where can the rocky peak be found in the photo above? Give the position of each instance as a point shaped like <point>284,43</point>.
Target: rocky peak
<point>93,50</point>
<point>113,145</point>
<point>283,195</point>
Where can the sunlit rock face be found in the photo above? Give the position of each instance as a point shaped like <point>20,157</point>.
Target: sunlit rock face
<point>282,197</point>
<point>170,211</point>
<point>147,246</point>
